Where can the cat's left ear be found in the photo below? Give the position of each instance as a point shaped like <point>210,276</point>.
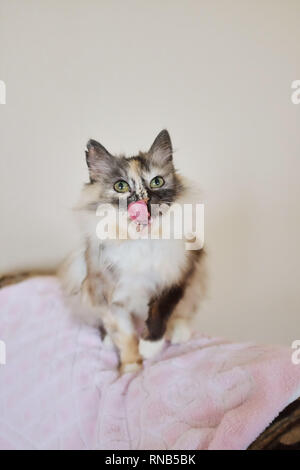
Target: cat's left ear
<point>161,151</point>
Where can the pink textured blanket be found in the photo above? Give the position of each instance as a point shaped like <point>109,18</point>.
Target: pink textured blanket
<point>60,388</point>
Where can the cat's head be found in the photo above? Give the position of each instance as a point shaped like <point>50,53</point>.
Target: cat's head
<point>149,176</point>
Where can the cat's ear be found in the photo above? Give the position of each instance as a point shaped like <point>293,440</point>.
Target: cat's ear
<point>161,151</point>
<point>98,159</point>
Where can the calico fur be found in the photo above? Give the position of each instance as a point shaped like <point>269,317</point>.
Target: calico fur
<point>138,291</point>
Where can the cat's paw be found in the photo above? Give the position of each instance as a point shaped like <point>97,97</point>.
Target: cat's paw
<point>130,367</point>
<point>180,333</point>
<point>148,349</point>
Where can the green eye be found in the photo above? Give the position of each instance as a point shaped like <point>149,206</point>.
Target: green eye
<point>121,186</point>
<point>157,182</point>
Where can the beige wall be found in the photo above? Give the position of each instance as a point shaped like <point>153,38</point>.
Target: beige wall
<point>218,75</point>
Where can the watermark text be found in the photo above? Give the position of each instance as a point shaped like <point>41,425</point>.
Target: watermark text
<point>2,353</point>
<point>295,96</point>
<point>175,222</point>
<point>296,353</point>
<point>2,92</point>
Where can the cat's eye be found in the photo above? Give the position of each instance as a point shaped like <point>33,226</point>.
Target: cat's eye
<point>157,182</point>
<point>121,186</point>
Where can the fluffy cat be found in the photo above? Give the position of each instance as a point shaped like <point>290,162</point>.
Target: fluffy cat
<point>138,290</point>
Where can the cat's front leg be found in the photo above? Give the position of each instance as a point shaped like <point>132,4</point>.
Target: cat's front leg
<point>119,325</point>
<point>160,309</point>
<point>98,292</point>
<point>179,330</point>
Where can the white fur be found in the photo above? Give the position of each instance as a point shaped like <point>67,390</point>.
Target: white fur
<point>181,331</point>
<point>149,349</point>
<point>144,267</point>
<point>108,342</point>
<point>130,368</point>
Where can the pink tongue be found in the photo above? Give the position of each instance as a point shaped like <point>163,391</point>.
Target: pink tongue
<point>138,211</point>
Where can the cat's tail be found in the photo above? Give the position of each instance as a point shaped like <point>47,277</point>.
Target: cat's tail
<point>14,278</point>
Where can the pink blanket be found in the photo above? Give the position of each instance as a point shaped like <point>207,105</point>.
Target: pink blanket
<point>60,388</point>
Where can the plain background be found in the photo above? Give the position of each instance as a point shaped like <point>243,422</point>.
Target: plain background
<point>218,75</point>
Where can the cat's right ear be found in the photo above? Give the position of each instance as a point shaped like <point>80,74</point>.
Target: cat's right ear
<point>161,151</point>
<point>98,160</point>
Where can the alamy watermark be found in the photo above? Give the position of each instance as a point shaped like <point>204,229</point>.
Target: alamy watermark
<point>2,353</point>
<point>162,222</point>
<point>296,353</point>
<point>295,96</point>
<point>2,92</point>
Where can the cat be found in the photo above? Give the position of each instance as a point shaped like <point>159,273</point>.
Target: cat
<point>138,290</point>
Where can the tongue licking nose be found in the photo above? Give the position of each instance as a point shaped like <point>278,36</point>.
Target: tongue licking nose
<point>138,211</point>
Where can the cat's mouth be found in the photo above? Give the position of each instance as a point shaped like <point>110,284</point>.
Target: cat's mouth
<point>139,212</point>
<point>143,213</point>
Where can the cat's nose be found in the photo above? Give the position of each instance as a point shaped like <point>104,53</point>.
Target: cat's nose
<point>141,197</point>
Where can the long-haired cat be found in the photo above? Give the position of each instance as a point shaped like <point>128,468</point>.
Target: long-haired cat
<point>137,288</point>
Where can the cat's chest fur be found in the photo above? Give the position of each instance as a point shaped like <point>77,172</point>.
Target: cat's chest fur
<point>144,268</point>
